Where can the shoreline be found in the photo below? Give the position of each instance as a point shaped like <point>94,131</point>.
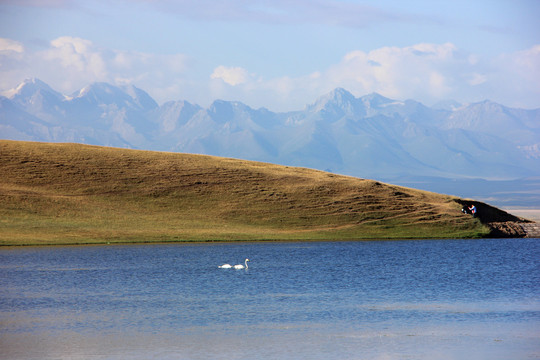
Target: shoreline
<point>233,242</point>
<point>527,213</point>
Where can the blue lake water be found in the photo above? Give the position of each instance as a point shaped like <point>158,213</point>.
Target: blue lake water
<point>429,299</point>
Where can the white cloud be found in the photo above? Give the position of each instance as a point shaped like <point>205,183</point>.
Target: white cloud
<point>414,71</point>
<point>525,65</point>
<point>230,75</point>
<point>78,57</point>
<point>425,72</point>
<point>13,66</point>
<point>477,79</point>
<point>514,78</point>
<point>70,63</point>
<point>11,45</point>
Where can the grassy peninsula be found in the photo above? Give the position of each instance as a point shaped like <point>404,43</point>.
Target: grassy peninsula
<point>80,194</point>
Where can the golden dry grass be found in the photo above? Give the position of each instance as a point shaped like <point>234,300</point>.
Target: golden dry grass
<point>77,194</point>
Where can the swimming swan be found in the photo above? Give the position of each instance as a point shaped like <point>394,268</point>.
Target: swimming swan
<point>225,266</point>
<point>240,266</point>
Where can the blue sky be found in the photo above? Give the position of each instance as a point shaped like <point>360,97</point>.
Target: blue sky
<point>281,54</point>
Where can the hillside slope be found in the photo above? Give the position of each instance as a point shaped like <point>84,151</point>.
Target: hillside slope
<point>370,136</point>
<point>76,194</point>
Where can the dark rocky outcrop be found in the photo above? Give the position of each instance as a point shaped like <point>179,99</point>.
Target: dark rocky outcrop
<point>501,223</point>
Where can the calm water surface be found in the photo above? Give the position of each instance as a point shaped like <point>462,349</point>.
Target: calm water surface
<point>440,299</point>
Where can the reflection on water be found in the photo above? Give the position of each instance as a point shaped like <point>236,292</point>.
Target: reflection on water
<point>357,300</point>
<point>286,341</point>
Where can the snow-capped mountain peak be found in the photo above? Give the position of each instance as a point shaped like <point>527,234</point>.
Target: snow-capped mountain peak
<point>336,97</point>
<point>375,100</point>
<point>335,103</point>
<point>371,136</point>
<point>29,88</point>
<point>104,94</point>
<point>101,92</point>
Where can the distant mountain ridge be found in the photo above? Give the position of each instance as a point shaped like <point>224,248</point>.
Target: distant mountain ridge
<point>370,137</point>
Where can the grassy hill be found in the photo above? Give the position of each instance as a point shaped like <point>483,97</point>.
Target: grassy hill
<point>79,194</point>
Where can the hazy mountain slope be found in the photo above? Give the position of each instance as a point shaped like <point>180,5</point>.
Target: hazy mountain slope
<point>371,136</point>
<point>16,123</point>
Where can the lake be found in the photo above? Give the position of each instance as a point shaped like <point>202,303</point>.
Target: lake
<point>409,299</point>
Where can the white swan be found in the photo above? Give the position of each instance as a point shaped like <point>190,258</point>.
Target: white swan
<point>225,266</point>
<point>240,266</point>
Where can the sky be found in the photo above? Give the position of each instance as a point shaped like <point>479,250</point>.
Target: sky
<point>278,54</point>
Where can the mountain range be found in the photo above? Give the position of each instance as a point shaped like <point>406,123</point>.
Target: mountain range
<point>404,142</point>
